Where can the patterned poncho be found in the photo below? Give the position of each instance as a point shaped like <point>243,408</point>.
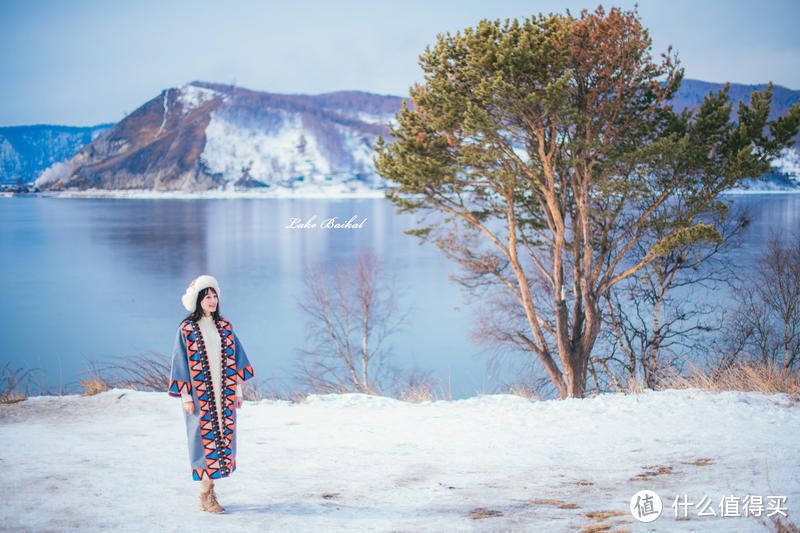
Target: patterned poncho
<point>212,442</point>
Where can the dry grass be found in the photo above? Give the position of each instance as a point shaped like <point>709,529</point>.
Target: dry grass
<point>417,394</point>
<point>257,390</point>
<point>14,384</point>
<point>149,372</point>
<point>525,390</point>
<point>602,516</point>
<point>483,512</point>
<point>543,501</point>
<point>599,516</point>
<point>651,471</point>
<point>420,388</point>
<point>779,524</point>
<point>561,504</point>
<point>634,387</point>
<point>701,461</point>
<point>93,384</point>
<point>759,376</point>
<point>595,528</point>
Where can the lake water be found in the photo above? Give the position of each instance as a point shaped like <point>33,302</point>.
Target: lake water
<point>92,279</point>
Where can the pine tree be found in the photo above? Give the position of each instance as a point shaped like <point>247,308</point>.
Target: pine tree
<point>545,149</point>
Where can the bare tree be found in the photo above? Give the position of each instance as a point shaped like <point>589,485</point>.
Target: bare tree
<point>351,312</point>
<point>765,325</point>
<point>655,317</point>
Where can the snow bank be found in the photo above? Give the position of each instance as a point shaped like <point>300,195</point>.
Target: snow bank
<point>117,461</point>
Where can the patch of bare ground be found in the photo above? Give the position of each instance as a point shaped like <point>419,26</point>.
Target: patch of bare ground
<point>482,512</point>
<point>561,504</point>
<point>651,471</point>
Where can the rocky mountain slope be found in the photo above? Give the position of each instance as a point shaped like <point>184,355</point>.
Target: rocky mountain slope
<point>204,135</point>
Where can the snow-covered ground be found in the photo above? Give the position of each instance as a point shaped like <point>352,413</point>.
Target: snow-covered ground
<point>117,461</point>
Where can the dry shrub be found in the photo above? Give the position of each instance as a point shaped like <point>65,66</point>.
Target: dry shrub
<point>14,384</point>
<point>93,384</point>
<point>149,372</point>
<point>421,387</point>
<point>482,512</point>
<point>739,375</point>
<point>634,386</point>
<point>416,394</point>
<point>524,390</point>
<point>257,390</point>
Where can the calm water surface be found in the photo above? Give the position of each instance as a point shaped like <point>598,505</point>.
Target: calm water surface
<point>92,279</point>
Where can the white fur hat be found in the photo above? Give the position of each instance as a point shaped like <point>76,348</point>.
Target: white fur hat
<point>189,299</point>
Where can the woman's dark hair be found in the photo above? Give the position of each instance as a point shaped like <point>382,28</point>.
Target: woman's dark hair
<point>197,314</point>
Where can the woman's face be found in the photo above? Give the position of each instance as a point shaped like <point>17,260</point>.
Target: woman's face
<point>209,302</point>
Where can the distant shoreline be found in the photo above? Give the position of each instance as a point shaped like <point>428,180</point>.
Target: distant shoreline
<point>329,193</point>
<point>281,193</point>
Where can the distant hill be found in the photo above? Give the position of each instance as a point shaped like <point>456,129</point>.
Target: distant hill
<point>207,135</point>
<point>25,151</point>
<point>691,94</point>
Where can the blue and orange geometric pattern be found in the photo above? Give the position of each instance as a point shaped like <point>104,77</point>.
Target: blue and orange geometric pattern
<point>176,387</point>
<point>216,434</point>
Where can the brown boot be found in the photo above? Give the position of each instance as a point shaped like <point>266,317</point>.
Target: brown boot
<point>208,502</point>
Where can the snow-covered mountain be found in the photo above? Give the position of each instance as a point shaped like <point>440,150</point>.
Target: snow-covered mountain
<point>25,151</point>
<point>205,136</point>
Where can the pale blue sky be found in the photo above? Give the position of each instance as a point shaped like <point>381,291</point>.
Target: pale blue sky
<point>85,62</point>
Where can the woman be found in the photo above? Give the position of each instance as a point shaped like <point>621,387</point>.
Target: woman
<point>208,364</point>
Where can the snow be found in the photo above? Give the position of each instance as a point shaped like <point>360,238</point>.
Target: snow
<point>286,149</point>
<point>191,97</point>
<point>372,118</point>
<point>763,187</point>
<point>788,162</point>
<point>117,461</point>
<point>270,154</point>
<point>165,98</point>
<point>55,172</point>
<point>359,147</point>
